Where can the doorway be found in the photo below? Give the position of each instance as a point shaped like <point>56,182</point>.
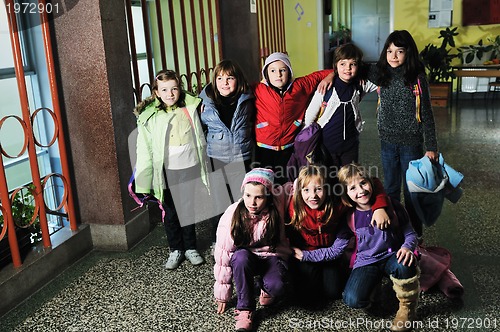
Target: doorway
<point>370,26</point>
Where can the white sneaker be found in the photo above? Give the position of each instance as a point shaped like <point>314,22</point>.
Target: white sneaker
<point>194,257</point>
<point>174,260</point>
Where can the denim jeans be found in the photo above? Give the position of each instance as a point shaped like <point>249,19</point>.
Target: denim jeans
<point>395,160</point>
<point>246,265</point>
<point>318,282</point>
<point>364,279</point>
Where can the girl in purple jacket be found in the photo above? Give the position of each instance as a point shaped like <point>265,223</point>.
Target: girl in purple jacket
<point>386,252</point>
<point>251,241</point>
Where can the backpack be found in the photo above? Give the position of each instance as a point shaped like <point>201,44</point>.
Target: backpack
<point>308,148</point>
<point>143,199</point>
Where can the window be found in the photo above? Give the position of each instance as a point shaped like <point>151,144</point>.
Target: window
<point>12,135</point>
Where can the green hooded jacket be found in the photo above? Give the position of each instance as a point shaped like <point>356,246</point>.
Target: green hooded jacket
<point>153,123</point>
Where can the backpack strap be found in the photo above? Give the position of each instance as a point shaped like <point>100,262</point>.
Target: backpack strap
<point>378,100</point>
<point>142,199</point>
<point>324,103</point>
<point>417,91</point>
<point>184,109</point>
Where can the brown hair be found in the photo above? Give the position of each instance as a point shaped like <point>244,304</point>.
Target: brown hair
<point>242,228</point>
<point>229,68</point>
<point>306,175</point>
<point>346,174</point>
<point>163,75</point>
<point>347,51</point>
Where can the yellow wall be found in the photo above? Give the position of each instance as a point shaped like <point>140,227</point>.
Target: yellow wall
<point>412,16</point>
<point>302,35</point>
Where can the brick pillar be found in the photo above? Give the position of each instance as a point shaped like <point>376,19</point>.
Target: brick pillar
<point>91,46</point>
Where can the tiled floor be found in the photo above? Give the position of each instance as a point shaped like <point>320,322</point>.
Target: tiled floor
<point>133,292</point>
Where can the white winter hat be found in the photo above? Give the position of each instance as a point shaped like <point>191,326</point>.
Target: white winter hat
<point>277,56</point>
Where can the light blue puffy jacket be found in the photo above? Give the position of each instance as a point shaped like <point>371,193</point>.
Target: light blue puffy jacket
<point>229,144</point>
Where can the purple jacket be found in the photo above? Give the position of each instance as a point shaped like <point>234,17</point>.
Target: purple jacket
<point>373,245</point>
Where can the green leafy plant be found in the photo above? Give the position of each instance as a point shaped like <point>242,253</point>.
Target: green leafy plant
<point>495,42</point>
<point>340,36</point>
<point>23,210</point>
<point>469,52</point>
<point>437,59</point>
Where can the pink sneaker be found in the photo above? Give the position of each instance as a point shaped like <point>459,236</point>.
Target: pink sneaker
<point>265,299</point>
<point>243,320</point>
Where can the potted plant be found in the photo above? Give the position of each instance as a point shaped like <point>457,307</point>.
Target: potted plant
<point>495,42</point>
<point>27,230</point>
<point>476,54</point>
<point>340,36</point>
<point>437,61</point>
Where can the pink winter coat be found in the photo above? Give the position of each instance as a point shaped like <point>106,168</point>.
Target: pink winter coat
<point>224,247</point>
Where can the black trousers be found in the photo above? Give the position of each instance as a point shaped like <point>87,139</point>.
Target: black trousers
<point>180,213</point>
<point>276,160</point>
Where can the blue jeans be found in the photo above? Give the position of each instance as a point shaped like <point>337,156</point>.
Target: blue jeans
<point>363,279</point>
<point>395,160</point>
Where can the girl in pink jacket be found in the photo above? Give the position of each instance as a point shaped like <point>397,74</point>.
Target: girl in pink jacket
<point>251,241</point>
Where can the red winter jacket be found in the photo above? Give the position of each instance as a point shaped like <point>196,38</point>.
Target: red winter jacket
<point>279,117</point>
<point>314,234</point>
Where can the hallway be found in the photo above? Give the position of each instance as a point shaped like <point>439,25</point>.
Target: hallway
<point>133,292</point>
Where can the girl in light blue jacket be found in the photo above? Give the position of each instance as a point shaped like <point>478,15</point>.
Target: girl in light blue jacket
<point>228,114</point>
<point>170,156</point>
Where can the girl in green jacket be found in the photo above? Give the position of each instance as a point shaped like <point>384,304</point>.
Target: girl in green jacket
<point>170,156</point>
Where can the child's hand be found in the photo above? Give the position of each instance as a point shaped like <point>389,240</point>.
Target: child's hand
<point>326,83</point>
<point>406,256</point>
<point>433,156</point>
<point>380,219</point>
<point>221,307</point>
<point>297,253</point>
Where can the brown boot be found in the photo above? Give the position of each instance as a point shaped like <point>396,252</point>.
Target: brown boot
<point>407,292</point>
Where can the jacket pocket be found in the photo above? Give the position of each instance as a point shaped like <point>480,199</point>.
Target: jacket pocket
<point>216,136</point>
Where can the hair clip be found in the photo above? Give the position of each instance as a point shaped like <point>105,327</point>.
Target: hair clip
<point>157,77</point>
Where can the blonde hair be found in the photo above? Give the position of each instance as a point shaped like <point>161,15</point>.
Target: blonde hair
<point>346,174</point>
<point>306,175</point>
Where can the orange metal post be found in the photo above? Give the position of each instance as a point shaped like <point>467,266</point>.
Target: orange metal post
<point>219,37</point>
<point>7,217</point>
<point>174,35</point>
<point>47,42</point>
<point>161,37</point>
<point>133,51</point>
<point>147,39</point>
<point>21,85</point>
<point>195,39</point>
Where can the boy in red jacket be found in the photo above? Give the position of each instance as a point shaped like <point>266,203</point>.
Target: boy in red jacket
<point>280,102</point>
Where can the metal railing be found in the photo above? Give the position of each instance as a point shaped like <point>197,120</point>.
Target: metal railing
<point>187,39</point>
<point>271,22</point>
<point>30,143</point>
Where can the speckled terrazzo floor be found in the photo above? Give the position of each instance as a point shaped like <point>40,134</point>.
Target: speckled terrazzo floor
<point>133,292</point>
